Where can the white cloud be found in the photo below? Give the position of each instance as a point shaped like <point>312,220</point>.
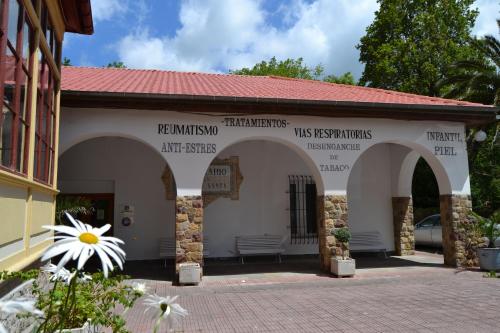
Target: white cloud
<point>217,35</point>
<point>103,10</point>
<point>486,23</point>
<point>228,34</point>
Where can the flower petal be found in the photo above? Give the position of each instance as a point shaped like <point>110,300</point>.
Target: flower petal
<point>57,248</point>
<point>86,253</point>
<point>114,247</point>
<point>178,310</point>
<point>118,260</point>
<point>102,230</point>
<point>63,229</point>
<point>112,239</point>
<point>64,260</point>
<point>73,221</point>
<point>104,260</point>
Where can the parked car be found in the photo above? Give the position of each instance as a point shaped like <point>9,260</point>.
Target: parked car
<point>430,233</point>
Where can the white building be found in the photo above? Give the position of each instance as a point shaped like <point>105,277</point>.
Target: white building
<point>204,158</point>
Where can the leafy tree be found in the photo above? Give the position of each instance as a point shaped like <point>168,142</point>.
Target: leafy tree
<point>485,173</point>
<point>293,68</point>
<point>66,62</point>
<point>287,68</point>
<point>116,64</point>
<point>346,78</point>
<point>410,44</point>
<point>478,80</point>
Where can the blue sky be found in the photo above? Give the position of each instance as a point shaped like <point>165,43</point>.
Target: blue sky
<point>218,35</point>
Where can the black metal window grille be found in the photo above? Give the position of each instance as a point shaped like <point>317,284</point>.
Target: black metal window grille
<point>303,212</point>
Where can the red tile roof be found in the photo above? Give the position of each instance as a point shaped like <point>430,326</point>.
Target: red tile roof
<point>138,81</point>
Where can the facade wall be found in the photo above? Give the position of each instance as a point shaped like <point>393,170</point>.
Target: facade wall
<point>25,207</point>
<point>263,203</point>
<point>189,150</point>
<point>13,208</point>
<point>369,194</point>
<point>365,162</point>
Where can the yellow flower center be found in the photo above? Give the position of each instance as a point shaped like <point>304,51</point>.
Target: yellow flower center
<point>165,308</point>
<point>88,238</point>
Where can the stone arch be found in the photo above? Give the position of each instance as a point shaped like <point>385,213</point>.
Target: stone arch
<point>192,209</point>
<point>453,208</point>
<point>407,166</point>
<point>68,144</point>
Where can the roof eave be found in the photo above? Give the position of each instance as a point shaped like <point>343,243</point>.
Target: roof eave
<point>78,16</point>
<point>470,115</point>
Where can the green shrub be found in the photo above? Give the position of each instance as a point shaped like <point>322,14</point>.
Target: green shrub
<point>93,299</point>
<point>489,227</point>
<point>342,235</point>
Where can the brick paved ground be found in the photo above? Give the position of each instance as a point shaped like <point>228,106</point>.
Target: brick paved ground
<point>404,299</point>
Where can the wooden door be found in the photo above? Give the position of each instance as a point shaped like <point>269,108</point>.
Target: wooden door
<point>103,209</point>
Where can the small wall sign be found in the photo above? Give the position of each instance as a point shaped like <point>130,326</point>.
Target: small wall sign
<point>222,179</point>
<point>217,179</point>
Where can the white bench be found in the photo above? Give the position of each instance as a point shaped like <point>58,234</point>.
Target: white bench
<point>253,245</point>
<point>367,241</point>
<point>167,248</point>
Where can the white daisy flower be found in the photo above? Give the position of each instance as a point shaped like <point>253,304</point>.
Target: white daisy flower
<point>63,274</point>
<point>18,305</point>
<point>57,275</point>
<point>164,308</point>
<point>140,287</point>
<point>81,242</point>
<point>84,277</point>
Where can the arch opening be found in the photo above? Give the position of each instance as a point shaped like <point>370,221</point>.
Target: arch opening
<point>380,198</point>
<point>130,186</point>
<point>278,195</point>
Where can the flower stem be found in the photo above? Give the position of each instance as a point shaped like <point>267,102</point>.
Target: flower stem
<point>49,311</point>
<point>65,311</point>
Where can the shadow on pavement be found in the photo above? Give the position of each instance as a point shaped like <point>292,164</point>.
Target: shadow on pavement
<point>310,264</point>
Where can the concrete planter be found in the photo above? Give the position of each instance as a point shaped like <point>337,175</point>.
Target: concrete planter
<point>342,267</point>
<point>489,258</point>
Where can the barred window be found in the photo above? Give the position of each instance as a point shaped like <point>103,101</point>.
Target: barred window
<point>303,210</point>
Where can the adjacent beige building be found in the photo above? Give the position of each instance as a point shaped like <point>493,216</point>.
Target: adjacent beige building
<point>31,37</point>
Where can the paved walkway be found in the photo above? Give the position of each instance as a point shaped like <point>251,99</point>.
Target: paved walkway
<point>420,298</point>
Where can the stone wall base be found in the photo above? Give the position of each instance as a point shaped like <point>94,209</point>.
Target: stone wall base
<point>404,235</point>
<point>188,230</point>
<point>460,240</point>
<point>335,216</point>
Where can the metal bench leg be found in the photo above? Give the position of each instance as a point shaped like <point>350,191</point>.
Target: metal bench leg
<point>241,260</point>
<point>279,258</point>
